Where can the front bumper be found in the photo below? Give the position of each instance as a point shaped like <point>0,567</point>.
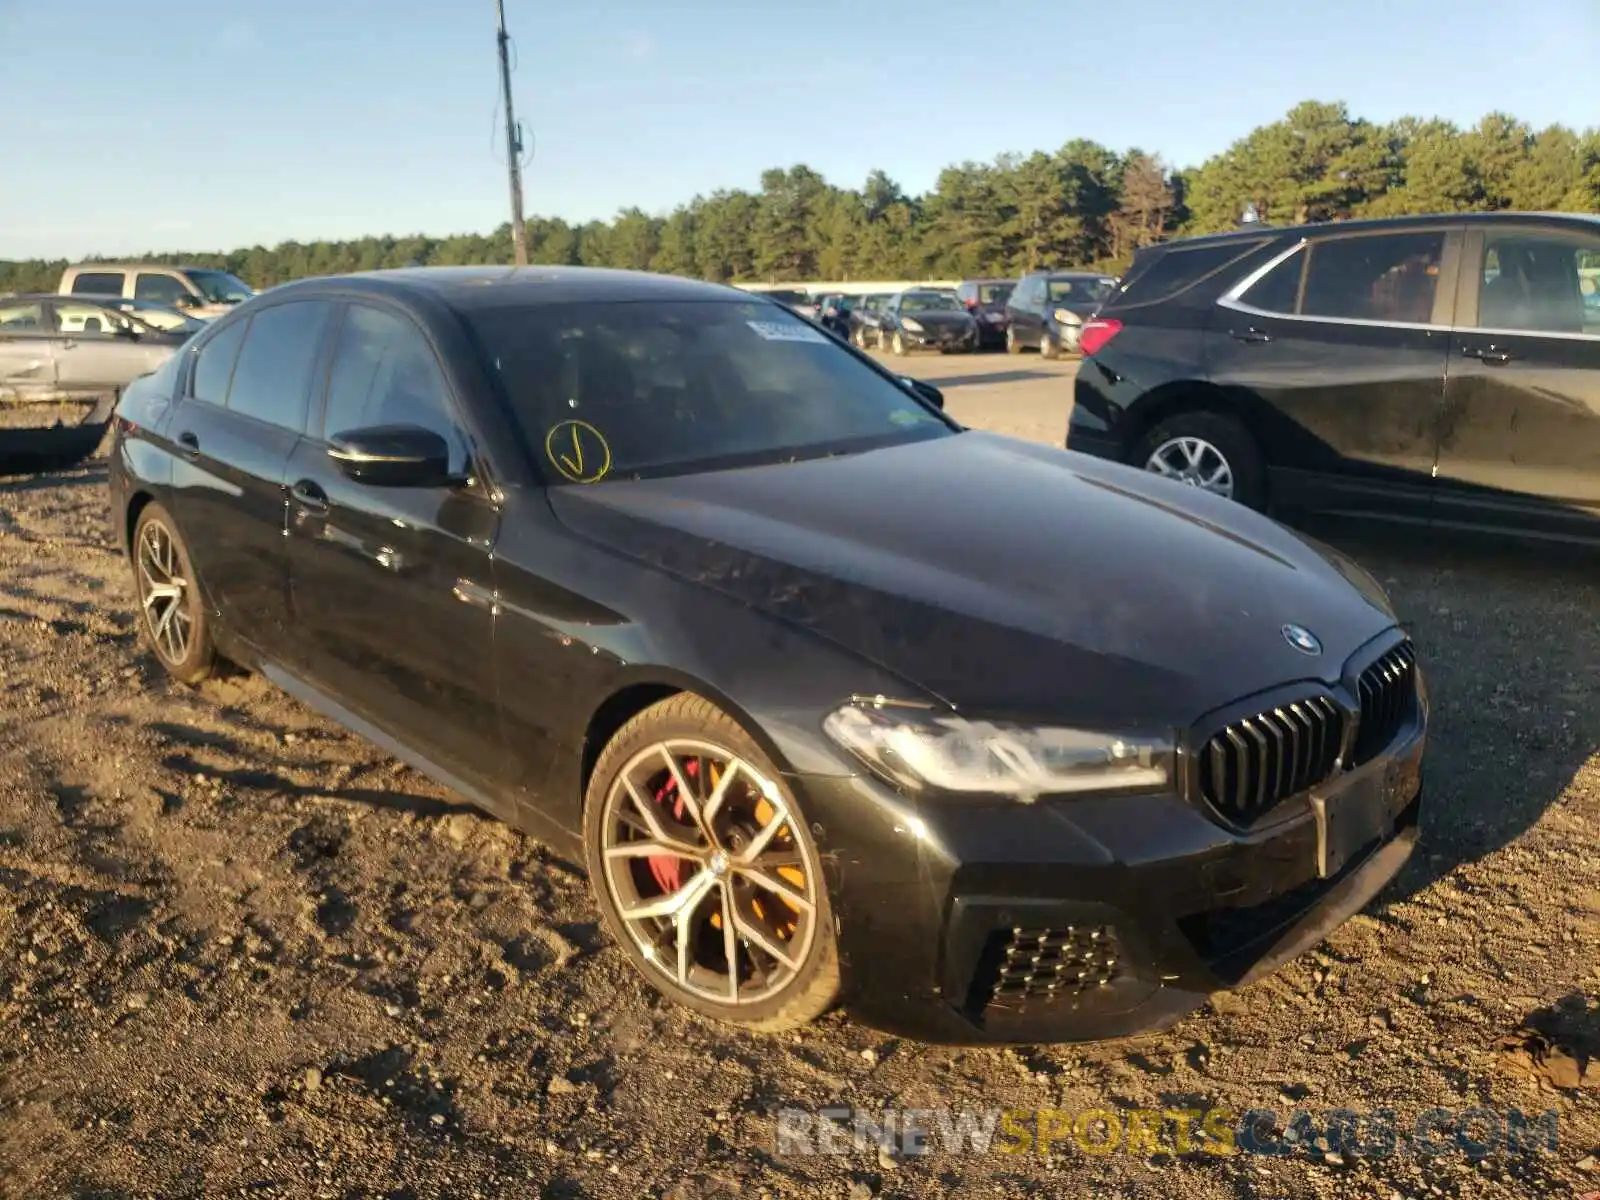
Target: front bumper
<point>1093,918</point>
<point>941,339</point>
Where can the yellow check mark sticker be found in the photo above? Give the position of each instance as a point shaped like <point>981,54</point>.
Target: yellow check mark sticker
<point>578,451</point>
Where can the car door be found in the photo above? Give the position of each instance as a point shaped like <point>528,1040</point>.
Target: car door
<point>240,411</point>
<point>159,287</point>
<point>27,350</point>
<point>1334,352</point>
<point>1519,446</point>
<point>1026,311</point>
<point>98,349</point>
<point>391,588</point>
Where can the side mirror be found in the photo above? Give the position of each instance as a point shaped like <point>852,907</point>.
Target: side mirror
<point>125,331</point>
<point>392,456</point>
<point>926,390</point>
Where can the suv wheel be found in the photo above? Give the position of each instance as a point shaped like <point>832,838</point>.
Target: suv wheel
<point>172,615</point>
<point>1208,451</point>
<point>705,871</point>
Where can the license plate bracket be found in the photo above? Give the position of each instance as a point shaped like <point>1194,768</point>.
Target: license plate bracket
<point>1348,820</point>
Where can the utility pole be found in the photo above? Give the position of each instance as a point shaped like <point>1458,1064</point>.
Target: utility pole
<point>519,231</point>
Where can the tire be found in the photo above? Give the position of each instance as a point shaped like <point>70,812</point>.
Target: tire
<point>898,346</point>
<point>882,345</point>
<point>1012,345</point>
<point>1229,438</point>
<point>1047,346</point>
<point>160,559</point>
<point>858,339</point>
<point>686,721</point>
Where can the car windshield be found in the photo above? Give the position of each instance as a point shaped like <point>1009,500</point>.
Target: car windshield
<point>928,302</point>
<point>629,390</point>
<point>219,287</point>
<point>1080,289</point>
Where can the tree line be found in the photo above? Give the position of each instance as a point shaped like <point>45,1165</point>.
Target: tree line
<point>1082,205</point>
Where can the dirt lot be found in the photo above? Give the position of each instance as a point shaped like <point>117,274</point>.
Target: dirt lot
<point>241,952</point>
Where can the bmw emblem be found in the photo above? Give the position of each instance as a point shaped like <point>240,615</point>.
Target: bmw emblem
<point>1302,639</point>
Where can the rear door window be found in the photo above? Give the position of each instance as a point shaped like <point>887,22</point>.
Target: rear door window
<point>23,318</point>
<point>1540,284</point>
<point>1387,277</point>
<point>158,289</point>
<point>213,366</point>
<point>98,283</point>
<point>272,377</point>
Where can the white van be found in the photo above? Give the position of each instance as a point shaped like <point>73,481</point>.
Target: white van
<point>198,291</point>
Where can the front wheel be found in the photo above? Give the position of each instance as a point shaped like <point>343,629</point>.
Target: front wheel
<point>1209,451</point>
<point>898,346</point>
<point>705,871</point>
<point>172,614</point>
<point>1047,346</point>
<point>1012,345</point>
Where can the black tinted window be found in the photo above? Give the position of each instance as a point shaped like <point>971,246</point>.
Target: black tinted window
<point>158,289</point>
<point>213,366</point>
<point>1382,277</point>
<point>273,375</point>
<point>1279,289</point>
<point>98,283</point>
<point>384,373</point>
<point>1175,271</point>
<point>677,386</point>
<point>1541,285</point>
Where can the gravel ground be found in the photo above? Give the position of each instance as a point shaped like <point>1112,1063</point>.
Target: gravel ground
<point>242,952</point>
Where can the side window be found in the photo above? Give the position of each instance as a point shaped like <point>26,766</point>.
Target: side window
<point>213,365</point>
<point>1540,284</point>
<point>1278,291</point>
<point>272,378</point>
<point>98,283</point>
<point>88,320</point>
<point>1377,277</point>
<point>158,289</point>
<point>25,318</point>
<point>385,373</point>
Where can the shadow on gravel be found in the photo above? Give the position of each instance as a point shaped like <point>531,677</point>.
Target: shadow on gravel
<point>1509,639</point>
<point>252,779</point>
<point>991,377</point>
<point>15,479</point>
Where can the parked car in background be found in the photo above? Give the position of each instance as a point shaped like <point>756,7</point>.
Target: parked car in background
<point>199,291</point>
<point>1428,370</point>
<point>926,319</point>
<point>986,300</point>
<point>865,314</point>
<point>160,316</point>
<point>1047,310</point>
<point>989,741</point>
<point>833,313</point>
<point>798,302</point>
<point>62,362</point>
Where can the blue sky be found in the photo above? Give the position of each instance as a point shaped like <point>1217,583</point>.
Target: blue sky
<point>216,124</point>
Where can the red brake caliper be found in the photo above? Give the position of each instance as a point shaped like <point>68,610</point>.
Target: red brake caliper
<point>667,869</point>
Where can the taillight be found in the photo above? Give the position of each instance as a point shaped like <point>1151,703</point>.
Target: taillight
<point>1096,333</point>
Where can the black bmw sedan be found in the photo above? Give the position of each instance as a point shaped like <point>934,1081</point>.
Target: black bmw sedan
<point>836,700</point>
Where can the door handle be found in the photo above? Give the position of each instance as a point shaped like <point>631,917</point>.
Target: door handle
<point>1251,335</point>
<point>1489,356</point>
<point>310,496</point>
<point>188,445</point>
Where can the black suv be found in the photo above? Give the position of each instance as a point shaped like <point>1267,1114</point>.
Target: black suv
<point>1432,370</point>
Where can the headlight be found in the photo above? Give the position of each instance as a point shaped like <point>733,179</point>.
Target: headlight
<point>932,751</point>
<point>912,324</point>
<point>1065,316</point>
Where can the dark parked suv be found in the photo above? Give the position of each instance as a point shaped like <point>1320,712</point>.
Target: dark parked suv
<point>1431,370</point>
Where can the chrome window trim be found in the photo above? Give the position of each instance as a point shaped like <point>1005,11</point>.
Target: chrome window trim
<point>1526,333</point>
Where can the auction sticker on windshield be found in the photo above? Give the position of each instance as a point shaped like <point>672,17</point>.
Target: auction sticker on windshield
<point>787,331</point>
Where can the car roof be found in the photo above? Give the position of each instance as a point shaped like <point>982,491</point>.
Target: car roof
<point>1375,224</point>
<point>474,288</point>
<point>140,266</point>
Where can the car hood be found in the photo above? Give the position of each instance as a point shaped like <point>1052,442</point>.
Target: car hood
<point>1005,577</point>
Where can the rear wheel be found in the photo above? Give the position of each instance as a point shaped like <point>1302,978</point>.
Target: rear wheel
<point>172,616</point>
<point>1209,451</point>
<point>705,871</point>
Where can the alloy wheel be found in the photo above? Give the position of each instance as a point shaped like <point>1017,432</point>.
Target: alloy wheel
<point>708,872</point>
<point>164,592</point>
<point>1194,461</point>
